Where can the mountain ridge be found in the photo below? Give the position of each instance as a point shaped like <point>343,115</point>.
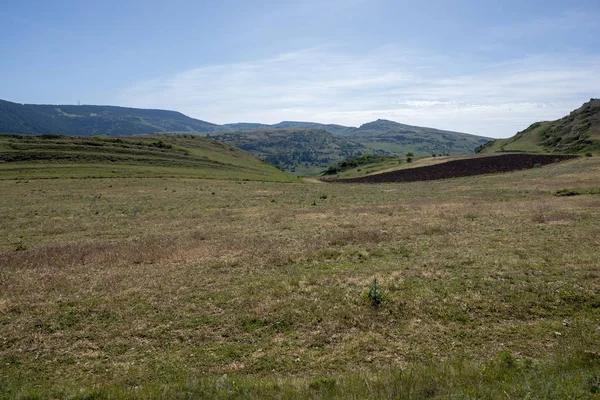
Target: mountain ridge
<point>376,137</point>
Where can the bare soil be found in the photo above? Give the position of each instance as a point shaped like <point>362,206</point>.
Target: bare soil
<point>460,168</point>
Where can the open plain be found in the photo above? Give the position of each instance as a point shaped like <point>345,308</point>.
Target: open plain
<point>475,287</point>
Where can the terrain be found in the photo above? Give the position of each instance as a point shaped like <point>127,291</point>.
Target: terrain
<point>393,137</point>
<point>58,156</point>
<point>458,168</point>
<point>304,151</point>
<point>286,144</point>
<point>170,287</point>
<point>578,132</point>
<point>94,120</point>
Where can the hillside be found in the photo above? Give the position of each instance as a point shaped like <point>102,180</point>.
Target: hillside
<point>396,138</point>
<point>380,136</point>
<point>93,120</point>
<point>184,156</point>
<point>383,136</point>
<point>299,150</point>
<point>577,132</point>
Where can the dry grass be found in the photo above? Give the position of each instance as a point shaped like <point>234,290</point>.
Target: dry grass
<point>135,281</point>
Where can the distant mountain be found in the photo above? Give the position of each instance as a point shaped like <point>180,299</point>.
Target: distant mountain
<point>241,126</point>
<point>396,138</point>
<point>576,133</point>
<point>381,136</point>
<point>299,150</point>
<point>93,120</point>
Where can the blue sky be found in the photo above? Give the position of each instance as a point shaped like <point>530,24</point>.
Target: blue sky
<point>483,67</point>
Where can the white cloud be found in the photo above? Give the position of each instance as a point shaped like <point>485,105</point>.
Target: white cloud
<point>329,86</point>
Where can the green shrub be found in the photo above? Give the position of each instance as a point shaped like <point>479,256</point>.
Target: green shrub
<point>375,295</point>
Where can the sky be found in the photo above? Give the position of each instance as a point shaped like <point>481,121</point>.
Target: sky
<point>485,67</point>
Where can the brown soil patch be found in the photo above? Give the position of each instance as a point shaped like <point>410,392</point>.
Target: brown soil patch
<point>460,168</point>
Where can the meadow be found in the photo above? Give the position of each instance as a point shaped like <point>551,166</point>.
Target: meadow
<point>173,287</point>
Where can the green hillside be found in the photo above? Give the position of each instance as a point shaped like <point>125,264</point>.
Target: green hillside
<point>396,138</point>
<point>298,150</point>
<point>95,120</point>
<point>577,132</point>
<point>184,156</point>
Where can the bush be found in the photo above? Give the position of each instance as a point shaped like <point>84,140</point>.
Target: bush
<point>588,154</point>
<point>375,295</point>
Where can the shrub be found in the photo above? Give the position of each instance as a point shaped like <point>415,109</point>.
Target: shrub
<point>375,295</point>
<point>588,154</point>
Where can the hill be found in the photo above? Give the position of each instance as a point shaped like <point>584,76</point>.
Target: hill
<point>184,156</point>
<point>396,138</point>
<point>299,150</point>
<point>389,137</point>
<point>94,120</point>
<point>577,132</point>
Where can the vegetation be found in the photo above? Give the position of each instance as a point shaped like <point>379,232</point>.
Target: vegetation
<point>578,132</point>
<point>185,288</point>
<point>400,139</point>
<point>95,120</point>
<point>350,163</point>
<point>53,156</point>
<point>303,151</point>
<point>270,142</point>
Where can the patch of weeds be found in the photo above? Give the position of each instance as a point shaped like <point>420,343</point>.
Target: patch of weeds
<point>577,192</point>
<point>20,246</point>
<point>323,196</point>
<point>593,383</point>
<point>323,385</point>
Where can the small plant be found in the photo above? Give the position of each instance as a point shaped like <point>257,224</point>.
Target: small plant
<point>588,154</point>
<point>323,196</point>
<point>20,246</point>
<point>408,159</point>
<point>375,295</point>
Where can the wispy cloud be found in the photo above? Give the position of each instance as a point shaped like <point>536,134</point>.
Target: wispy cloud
<point>327,85</point>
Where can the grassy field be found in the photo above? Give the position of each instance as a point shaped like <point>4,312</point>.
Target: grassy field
<point>162,287</point>
<point>144,156</point>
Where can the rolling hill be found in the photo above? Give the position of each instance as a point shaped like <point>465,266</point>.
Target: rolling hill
<point>577,132</point>
<point>185,156</point>
<point>299,150</point>
<point>95,120</point>
<point>305,147</point>
<point>393,137</point>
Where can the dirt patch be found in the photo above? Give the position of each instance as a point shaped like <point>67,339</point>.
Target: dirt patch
<point>460,168</point>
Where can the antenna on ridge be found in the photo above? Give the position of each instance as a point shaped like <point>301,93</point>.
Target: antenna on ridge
<point>78,103</point>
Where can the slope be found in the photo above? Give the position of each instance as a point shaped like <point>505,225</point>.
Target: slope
<point>577,132</point>
<point>94,120</point>
<point>396,138</point>
<point>299,150</point>
<point>186,156</point>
